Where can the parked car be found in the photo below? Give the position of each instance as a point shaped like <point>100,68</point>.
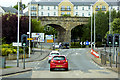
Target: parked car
<point>59,61</point>
<point>65,45</point>
<point>53,53</point>
<point>56,45</point>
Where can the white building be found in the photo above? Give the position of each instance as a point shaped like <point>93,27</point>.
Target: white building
<point>81,7</point>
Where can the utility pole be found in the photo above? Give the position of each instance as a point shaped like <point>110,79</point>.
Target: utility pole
<point>91,24</point>
<point>29,26</point>
<point>94,29</point>
<point>18,34</point>
<point>109,19</point>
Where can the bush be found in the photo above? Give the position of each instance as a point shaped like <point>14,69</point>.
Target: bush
<point>3,52</point>
<point>14,51</point>
<point>6,51</point>
<point>66,15</point>
<point>9,49</point>
<point>20,50</point>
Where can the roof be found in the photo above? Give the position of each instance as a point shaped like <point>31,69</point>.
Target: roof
<point>9,9</point>
<point>75,2</point>
<point>54,52</point>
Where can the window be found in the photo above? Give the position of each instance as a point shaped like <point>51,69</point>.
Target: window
<point>82,8</point>
<point>111,7</point>
<point>82,14</point>
<point>48,14</point>
<point>76,7</point>
<point>89,14</point>
<point>33,13</point>
<point>59,58</point>
<point>41,7</point>
<point>33,8</point>
<point>97,8</point>
<point>103,8</point>
<point>118,8</point>
<point>68,8</point>
<point>68,13</point>
<point>88,7</point>
<point>62,13</point>
<point>54,7</point>
<point>76,13</point>
<point>48,8</point>
<point>42,13</point>
<point>54,13</point>
<point>63,8</point>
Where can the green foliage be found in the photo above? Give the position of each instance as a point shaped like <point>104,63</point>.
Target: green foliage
<point>116,25</point>
<point>21,6</point>
<point>101,24</point>
<point>118,14</point>
<point>50,30</point>
<point>9,49</point>
<point>66,15</point>
<point>36,26</point>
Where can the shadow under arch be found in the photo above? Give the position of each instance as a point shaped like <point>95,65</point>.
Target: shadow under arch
<point>60,32</point>
<point>76,33</point>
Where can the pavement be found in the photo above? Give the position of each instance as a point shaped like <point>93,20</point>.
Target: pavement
<point>107,65</point>
<point>37,56</point>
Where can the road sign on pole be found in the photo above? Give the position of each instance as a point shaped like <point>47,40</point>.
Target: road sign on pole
<point>87,43</point>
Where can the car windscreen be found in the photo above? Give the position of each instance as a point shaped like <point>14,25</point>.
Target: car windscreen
<point>53,54</point>
<point>58,58</point>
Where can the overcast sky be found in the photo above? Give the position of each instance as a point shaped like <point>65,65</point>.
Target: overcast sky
<point>8,3</point>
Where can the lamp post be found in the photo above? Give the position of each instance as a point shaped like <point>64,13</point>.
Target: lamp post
<point>94,29</point>
<point>109,19</point>
<point>18,34</point>
<point>91,24</point>
<point>29,26</point>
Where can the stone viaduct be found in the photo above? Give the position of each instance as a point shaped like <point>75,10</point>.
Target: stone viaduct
<point>63,25</point>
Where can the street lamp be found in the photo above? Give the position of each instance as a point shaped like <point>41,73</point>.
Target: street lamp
<point>94,28</point>
<point>91,24</point>
<point>109,19</point>
<point>18,34</point>
<point>29,26</point>
<point>39,37</point>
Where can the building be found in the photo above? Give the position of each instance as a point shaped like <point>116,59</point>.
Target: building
<point>4,10</point>
<point>71,7</point>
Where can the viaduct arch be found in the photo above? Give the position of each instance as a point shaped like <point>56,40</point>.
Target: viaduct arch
<point>63,25</point>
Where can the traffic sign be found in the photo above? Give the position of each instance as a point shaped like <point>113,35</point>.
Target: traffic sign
<point>81,43</point>
<point>16,44</point>
<point>29,38</point>
<point>87,43</point>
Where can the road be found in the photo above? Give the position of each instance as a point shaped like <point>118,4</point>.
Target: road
<point>80,66</point>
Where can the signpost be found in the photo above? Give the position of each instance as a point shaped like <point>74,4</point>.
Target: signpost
<point>36,35</point>
<point>87,43</point>
<point>49,38</point>
<point>16,44</point>
<point>24,44</point>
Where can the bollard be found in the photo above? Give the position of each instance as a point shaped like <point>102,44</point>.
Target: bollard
<point>3,62</point>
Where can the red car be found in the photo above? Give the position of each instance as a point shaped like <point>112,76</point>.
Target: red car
<point>59,61</point>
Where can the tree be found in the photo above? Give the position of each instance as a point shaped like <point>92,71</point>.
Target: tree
<point>118,14</point>
<point>9,27</point>
<point>101,24</point>
<point>50,30</point>
<point>22,6</point>
<point>36,26</point>
<point>116,26</point>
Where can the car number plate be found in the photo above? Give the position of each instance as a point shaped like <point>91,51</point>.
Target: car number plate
<point>59,66</point>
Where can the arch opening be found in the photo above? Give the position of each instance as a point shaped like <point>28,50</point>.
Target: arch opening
<point>58,31</point>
